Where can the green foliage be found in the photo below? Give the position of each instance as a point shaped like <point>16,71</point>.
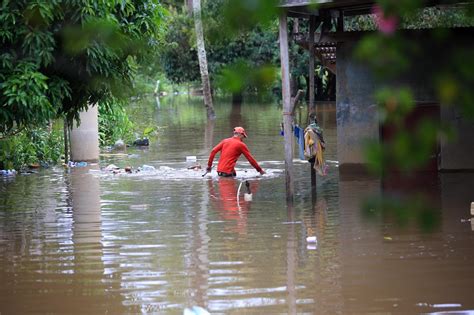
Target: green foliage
<point>59,56</point>
<point>178,56</point>
<point>455,79</point>
<point>240,75</point>
<point>438,17</point>
<point>246,15</point>
<point>142,114</point>
<point>407,150</point>
<point>414,18</point>
<point>114,123</point>
<point>396,56</point>
<point>394,105</point>
<point>32,146</point>
<point>246,61</point>
<point>242,48</point>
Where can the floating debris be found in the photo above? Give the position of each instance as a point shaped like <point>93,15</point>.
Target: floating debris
<point>8,172</point>
<point>195,310</point>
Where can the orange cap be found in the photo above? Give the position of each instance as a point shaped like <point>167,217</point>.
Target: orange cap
<point>241,131</point>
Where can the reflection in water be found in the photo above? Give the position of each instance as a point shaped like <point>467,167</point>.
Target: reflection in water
<point>199,261</point>
<point>86,239</point>
<point>231,206</point>
<point>75,243</point>
<point>291,261</point>
<point>209,136</point>
<point>60,261</point>
<point>235,117</point>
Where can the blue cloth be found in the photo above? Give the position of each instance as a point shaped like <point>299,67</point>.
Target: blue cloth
<point>301,143</point>
<point>296,131</point>
<point>299,134</point>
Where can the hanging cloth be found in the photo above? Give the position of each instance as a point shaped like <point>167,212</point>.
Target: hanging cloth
<point>314,147</point>
<point>299,134</point>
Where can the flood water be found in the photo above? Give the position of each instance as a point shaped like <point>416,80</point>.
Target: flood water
<point>84,241</point>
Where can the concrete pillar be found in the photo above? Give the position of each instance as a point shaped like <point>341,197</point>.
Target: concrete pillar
<point>85,137</point>
<point>355,109</point>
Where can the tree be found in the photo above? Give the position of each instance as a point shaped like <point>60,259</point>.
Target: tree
<point>206,87</point>
<point>60,56</point>
<point>177,56</point>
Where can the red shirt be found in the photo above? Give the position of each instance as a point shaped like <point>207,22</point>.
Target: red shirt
<point>231,149</point>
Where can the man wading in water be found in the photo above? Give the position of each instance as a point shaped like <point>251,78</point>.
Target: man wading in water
<point>231,149</point>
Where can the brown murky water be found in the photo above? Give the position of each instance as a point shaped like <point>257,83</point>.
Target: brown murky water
<point>78,242</point>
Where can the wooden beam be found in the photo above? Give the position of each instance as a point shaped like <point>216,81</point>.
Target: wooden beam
<point>286,98</point>
<point>295,100</point>
<point>312,29</point>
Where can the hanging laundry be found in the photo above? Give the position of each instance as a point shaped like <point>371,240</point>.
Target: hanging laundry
<point>314,147</point>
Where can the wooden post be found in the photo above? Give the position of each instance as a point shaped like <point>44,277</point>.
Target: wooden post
<point>287,110</point>
<point>313,173</point>
<point>294,101</point>
<point>311,105</point>
<point>312,29</point>
<point>340,21</point>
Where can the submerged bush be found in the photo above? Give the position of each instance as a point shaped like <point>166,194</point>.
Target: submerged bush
<point>40,145</point>
<point>114,124</point>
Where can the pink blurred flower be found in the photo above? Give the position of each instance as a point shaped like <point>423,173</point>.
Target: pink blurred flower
<point>386,24</point>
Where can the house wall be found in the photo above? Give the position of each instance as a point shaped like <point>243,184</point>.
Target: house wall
<point>356,109</point>
<point>356,115</point>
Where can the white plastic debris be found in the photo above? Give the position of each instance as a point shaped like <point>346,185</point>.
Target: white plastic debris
<point>148,168</point>
<point>8,172</point>
<point>119,145</point>
<point>166,168</point>
<point>191,158</point>
<point>195,310</point>
<point>311,246</point>
<point>311,239</point>
<point>111,167</point>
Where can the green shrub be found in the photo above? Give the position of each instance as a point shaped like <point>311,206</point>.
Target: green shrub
<point>32,146</point>
<point>114,124</point>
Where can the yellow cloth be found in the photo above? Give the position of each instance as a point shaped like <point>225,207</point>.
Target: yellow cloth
<point>313,148</point>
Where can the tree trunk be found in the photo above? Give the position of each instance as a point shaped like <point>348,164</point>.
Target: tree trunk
<point>189,6</point>
<point>237,98</point>
<point>206,86</point>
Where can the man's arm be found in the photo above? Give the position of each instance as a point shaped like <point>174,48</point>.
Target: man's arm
<point>252,161</point>
<point>214,151</point>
